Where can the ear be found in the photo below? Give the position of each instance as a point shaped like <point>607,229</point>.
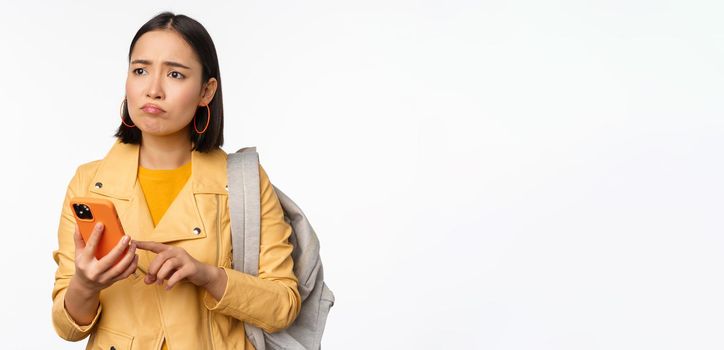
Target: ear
<point>208,91</point>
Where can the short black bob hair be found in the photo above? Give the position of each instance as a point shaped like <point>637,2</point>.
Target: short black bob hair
<point>200,41</point>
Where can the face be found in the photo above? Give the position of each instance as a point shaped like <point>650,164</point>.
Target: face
<point>165,71</point>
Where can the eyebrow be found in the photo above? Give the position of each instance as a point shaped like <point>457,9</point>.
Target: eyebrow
<point>168,63</point>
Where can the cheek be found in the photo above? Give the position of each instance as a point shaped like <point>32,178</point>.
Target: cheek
<point>186,99</point>
<point>186,95</point>
<point>134,91</point>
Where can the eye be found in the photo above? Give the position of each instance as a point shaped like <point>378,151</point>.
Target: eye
<point>135,71</point>
<point>177,75</point>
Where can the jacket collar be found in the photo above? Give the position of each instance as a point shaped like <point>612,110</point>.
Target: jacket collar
<point>183,220</point>
<point>117,173</point>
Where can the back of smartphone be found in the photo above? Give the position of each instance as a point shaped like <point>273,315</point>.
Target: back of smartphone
<point>88,212</point>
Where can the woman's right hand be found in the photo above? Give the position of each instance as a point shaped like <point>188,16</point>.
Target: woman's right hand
<point>95,275</point>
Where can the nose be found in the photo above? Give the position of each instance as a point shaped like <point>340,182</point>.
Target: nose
<point>155,87</point>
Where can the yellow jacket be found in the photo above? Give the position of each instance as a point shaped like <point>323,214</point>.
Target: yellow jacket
<point>133,315</point>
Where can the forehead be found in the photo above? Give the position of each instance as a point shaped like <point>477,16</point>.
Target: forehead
<point>164,45</point>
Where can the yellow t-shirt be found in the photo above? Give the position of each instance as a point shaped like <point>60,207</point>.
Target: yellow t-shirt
<point>160,188</point>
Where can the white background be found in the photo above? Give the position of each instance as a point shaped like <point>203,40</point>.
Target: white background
<point>482,175</point>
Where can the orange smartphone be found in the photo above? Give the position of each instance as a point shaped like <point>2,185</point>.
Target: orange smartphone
<point>88,212</point>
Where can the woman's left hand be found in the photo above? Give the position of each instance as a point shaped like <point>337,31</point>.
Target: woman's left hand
<point>174,264</point>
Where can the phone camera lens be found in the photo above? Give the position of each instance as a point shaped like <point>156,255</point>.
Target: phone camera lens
<point>83,211</point>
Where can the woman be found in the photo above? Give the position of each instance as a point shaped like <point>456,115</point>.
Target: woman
<point>166,175</point>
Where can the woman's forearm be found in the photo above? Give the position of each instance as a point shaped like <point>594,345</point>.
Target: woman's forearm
<point>81,303</point>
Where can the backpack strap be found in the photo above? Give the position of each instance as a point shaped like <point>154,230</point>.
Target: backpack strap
<point>244,205</point>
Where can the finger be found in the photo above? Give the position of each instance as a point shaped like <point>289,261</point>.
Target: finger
<point>155,266</point>
<point>167,269</point>
<point>122,265</point>
<point>79,244</point>
<point>153,246</point>
<point>177,276</point>
<point>93,240</point>
<point>129,270</point>
<point>109,259</point>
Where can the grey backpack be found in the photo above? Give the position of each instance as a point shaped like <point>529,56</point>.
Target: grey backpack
<point>244,204</point>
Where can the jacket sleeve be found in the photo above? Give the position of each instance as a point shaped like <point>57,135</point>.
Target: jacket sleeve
<point>64,257</point>
<point>270,300</point>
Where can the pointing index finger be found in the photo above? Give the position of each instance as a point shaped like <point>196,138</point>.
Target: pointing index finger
<point>152,246</point>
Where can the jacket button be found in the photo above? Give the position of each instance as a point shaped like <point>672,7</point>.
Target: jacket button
<point>197,231</point>
<point>99,184</point>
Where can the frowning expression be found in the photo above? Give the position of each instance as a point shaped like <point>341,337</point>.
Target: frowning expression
<point>164,83</point>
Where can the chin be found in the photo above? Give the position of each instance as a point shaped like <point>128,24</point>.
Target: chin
<point>158,132</point>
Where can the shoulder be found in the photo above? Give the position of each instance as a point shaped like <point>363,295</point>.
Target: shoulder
<point>262,173</point>
<point>89,167</point>
<point>84,173</point>
<point>264,180</point>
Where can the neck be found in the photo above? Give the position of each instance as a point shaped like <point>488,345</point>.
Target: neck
<point>165,152</point>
